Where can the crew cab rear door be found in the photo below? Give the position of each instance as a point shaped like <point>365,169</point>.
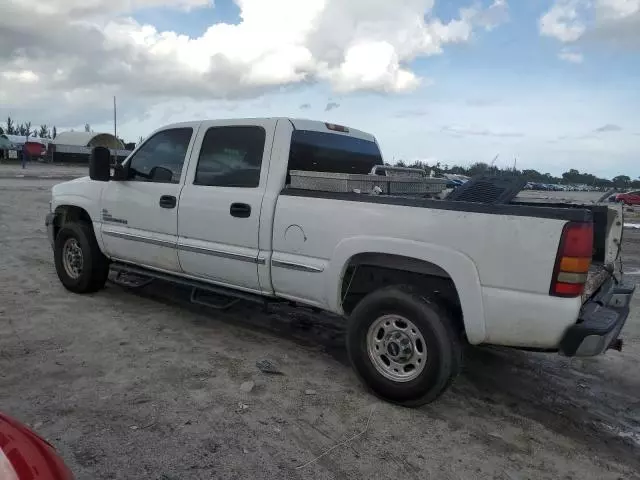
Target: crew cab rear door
<point>220,204</point>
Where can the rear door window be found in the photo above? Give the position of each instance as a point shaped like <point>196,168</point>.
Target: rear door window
<point>231,157</point>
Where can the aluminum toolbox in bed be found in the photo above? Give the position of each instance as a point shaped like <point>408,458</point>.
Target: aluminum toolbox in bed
<point>393,181</point>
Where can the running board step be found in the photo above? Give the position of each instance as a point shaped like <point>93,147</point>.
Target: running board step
<point>130,280</point>
<point>199,289</point>
<point>199,297</point>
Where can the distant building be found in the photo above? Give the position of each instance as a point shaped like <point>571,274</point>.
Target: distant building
<point>77,146</point>
<point>88,139</point>
<point>19,140</point>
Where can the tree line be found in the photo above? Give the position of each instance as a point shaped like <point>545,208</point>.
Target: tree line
<point>44,131</point>
<point>570,177</point>
<point>25,130</point>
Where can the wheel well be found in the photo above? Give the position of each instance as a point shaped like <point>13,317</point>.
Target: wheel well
<point>368,272</point>
<point>70,213</point>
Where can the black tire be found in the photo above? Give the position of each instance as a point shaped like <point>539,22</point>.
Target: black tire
<point>443,345</point>
<point>95,266</point>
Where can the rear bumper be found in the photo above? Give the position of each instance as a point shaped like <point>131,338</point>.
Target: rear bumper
<point>600,322</point>
<point>49,221</point>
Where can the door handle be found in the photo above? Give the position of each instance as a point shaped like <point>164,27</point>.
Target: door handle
<point>168,201</point>
<point>240,210</point>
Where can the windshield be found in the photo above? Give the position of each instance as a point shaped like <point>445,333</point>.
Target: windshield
<point>332,152</point>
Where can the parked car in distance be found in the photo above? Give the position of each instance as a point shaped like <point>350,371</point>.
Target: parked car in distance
<point>36,149</point>
<point>454,183</point>
<point>629,198</point>
<point>24,455</point>
<point>213,205</point>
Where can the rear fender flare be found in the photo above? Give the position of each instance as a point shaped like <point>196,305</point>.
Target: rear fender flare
<point>461,269</point>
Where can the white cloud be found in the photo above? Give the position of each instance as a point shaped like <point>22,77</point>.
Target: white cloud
<point>611,21</point>
<point>495,15</point>
<point>89,49</point>
<point>617,23</point>
<point>100,8</point>
<point>371,66</point>
<point>570,56</point>
<point>480,132</point>
<point>609,127</point>
<point>562,22</point>
<point>617,9</point>
<point>331,106</point>
<point>21,76</point>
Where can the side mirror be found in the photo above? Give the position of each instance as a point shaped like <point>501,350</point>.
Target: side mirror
<point>160,175</point>
<point>100,164</point>
<point>120,172</point>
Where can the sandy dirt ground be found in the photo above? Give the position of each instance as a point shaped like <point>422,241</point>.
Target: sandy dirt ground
<point>35,170</point>
<point>141,385</point>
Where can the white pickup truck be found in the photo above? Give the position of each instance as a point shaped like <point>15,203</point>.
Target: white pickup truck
<point>210,204</point>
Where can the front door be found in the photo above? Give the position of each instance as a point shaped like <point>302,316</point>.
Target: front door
<point>220,204</point>
<point>140,214</point>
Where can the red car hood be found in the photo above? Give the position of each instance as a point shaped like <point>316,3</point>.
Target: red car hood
<point>26,456</point>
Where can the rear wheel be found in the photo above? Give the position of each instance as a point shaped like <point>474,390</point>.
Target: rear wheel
<point>403,346</point>
<point>80,265</point>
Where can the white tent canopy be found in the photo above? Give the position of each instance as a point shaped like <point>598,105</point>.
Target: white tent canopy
<point>21,139</point>
<point>88,139</point>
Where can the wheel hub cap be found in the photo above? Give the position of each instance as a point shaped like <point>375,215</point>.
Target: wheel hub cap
<point>396,348</point>
<point>393,349</point>
<point>72,258</point>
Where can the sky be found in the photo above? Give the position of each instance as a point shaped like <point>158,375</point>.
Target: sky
<point>545,84</point>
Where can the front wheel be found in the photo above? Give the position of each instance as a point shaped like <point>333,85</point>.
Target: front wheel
<point>403,346</point>
<point>80,265</point>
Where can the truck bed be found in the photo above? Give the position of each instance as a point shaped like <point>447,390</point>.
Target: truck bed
<point>607,225</point>
<point>565,212</point>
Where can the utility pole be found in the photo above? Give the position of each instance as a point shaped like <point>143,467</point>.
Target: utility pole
<point>115,132</point>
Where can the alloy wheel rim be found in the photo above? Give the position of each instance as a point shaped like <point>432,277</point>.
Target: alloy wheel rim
<point>396,348</point>
<point>72,258</point>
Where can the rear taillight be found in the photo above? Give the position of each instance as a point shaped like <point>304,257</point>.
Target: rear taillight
<point>573,260</point>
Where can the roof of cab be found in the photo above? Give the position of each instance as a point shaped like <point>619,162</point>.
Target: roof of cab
<point>317,125</point>
<point>298,124</point>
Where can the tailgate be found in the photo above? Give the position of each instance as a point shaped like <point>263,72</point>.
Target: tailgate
<point>608,225</point>
<point>607,232</point>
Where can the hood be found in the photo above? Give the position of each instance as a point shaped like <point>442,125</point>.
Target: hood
<point>80,192</point>
<point>72,186</point>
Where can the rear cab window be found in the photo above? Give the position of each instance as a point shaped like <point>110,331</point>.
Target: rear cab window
<point>315,151</point>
